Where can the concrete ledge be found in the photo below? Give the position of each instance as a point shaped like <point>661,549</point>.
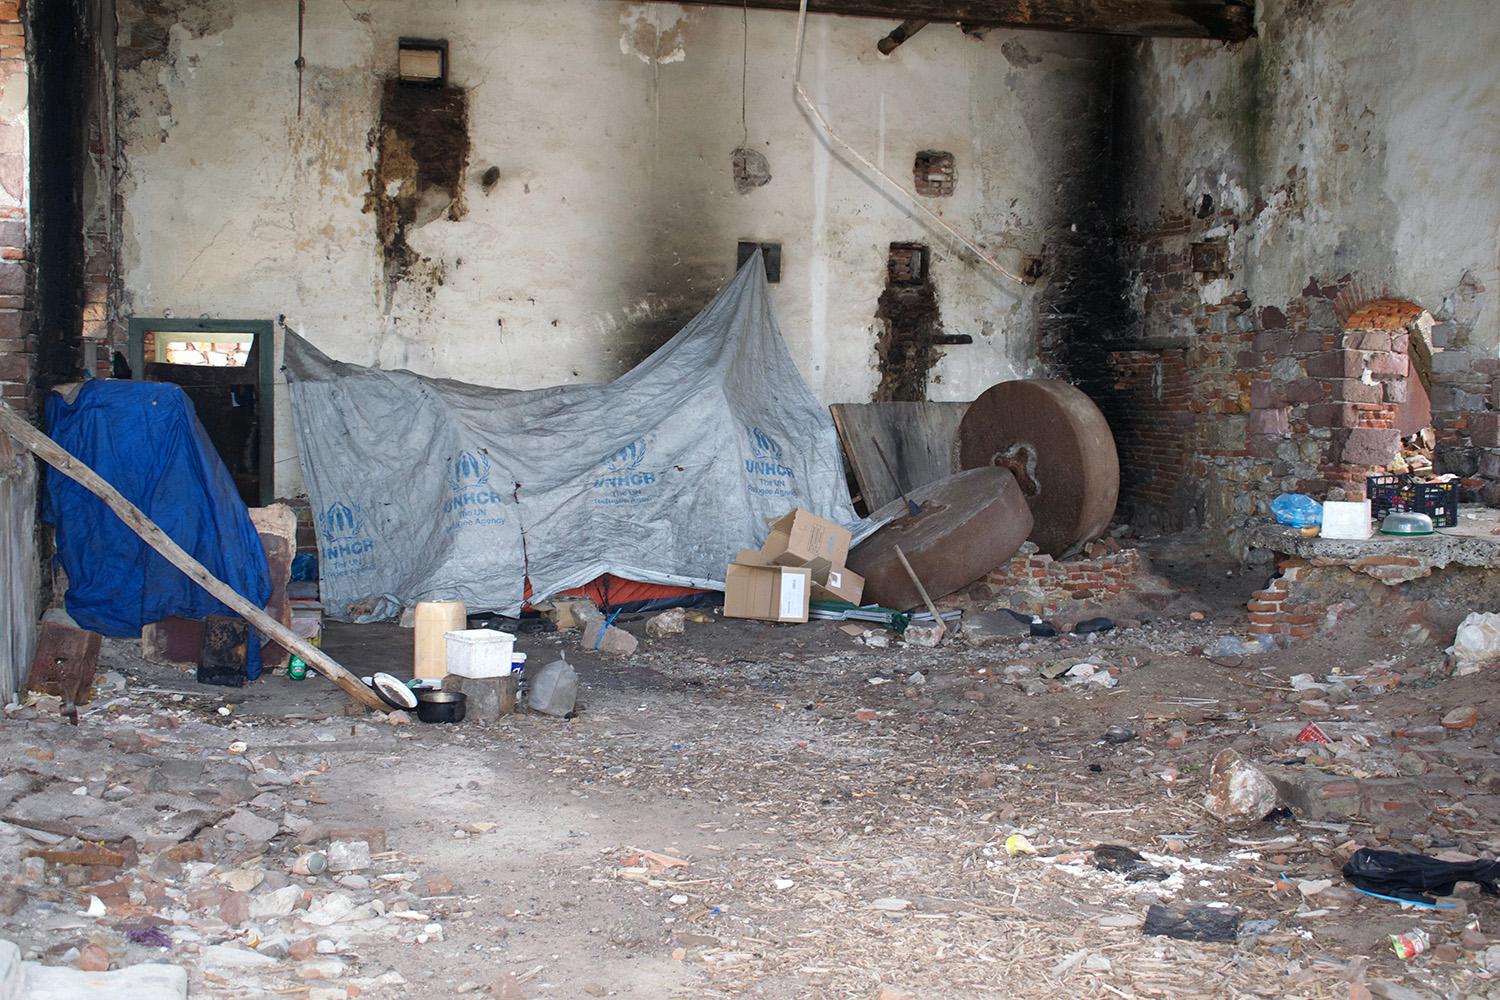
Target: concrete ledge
<point>1470,543</point>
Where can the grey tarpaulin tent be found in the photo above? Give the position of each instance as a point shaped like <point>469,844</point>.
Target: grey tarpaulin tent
<point>428,489</point>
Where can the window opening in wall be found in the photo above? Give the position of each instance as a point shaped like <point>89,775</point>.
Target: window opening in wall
<point>907,264</point>
<point>226,369</point>
<point>423,61</point>
<point>770,254</point>
<point>226,350</point>
<point>933,173</point>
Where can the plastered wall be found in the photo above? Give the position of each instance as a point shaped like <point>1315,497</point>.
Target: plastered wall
<point>1348,153</point>
<point>614,216</point>
<point>1348,137</point>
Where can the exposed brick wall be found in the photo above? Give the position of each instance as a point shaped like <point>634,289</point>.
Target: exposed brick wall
<point>1275,611</point>
<point>18,345</point>
<point>1034,582</point>
<point>1219,403</point>
<point>933,173</point>
<point>1154,427</point>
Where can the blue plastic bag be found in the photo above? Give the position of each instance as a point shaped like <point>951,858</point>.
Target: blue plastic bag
<point>1297,509</point>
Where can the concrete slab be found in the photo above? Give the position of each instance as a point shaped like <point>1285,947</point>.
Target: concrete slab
<point>1472,542</point>
<point>138,982</point>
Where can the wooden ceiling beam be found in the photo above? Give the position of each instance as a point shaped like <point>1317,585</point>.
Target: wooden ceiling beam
<point>1226,20</point>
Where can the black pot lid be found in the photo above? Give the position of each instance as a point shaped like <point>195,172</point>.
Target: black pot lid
<point>393,692</point>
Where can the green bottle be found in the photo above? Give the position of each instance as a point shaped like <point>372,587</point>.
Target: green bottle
<point>296,670</point>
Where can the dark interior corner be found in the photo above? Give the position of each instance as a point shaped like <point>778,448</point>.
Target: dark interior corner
<point>62,84</point>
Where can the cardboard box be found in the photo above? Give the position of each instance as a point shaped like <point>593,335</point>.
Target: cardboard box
<point>804,539</point>
<point>837,584</point>
<point>768,593</point>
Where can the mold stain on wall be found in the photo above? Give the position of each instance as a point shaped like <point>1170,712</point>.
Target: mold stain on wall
<point>421,147</point>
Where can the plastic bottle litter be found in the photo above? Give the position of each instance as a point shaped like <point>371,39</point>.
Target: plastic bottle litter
<point>296,670</point>
<point>1409,945</point>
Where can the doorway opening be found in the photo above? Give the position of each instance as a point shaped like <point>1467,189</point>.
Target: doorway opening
<point>226,368</point>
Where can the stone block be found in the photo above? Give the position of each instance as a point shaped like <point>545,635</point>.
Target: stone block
<point>1450,398</point>
<point>489,698</point>
<point>1367,340</point>
<point>1225,433</point>
<point>609,640</point>
<point>1370,446</point>
<point>1269,422</point>
<point>1307,342</point>
<point>1264,394</point>
<point>1448,362</point>
<point>12,974</point>
<point>151,981</point>
<point>1388,364</point>
<point>1336,364</point>
<point>1459,461</point>
<point>1484,430</point>
<point>1266,446</point>
<point>1238,792</point>
<point>1314,795</point>
<point>1353,390</point>
<point>1306,390</point>
<point>1396,390</point>
<point>1489,463</point>
<point>1443,335</point>
<point>1332,415</point>
<point>1271,342</point>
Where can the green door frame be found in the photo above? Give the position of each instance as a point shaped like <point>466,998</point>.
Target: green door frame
<point>265,339</point>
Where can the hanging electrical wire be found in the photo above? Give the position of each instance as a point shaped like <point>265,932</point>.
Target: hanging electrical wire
<point>895,185</point>
<point>751,170</point>
<point>744,70</point>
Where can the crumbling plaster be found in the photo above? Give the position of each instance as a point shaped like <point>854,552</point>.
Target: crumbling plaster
<point>615,215</point>
<point>1347,152</point>
<point>1348,137</point>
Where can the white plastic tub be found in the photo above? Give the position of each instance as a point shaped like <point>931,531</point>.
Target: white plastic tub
<point>480,652</point>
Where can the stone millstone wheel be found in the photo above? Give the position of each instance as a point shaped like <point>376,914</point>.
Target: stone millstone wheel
<point>970,523</point>
<point>1061,450</point>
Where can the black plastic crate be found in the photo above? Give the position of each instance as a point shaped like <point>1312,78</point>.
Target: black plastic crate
<point>1438,501</point>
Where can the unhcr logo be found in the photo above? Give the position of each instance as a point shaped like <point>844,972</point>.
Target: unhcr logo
<point>341,522</point>
<point>346,547</point>
<point>468,469</point>
<point>768,460</point>
<point>628,458</point>
<point>621,479</point>
<point>473,499</point>
<point>768,471</point>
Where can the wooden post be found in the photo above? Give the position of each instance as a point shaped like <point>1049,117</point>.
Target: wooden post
<point>899,34</point>
<point>60,459</point>
<point>932,608</point>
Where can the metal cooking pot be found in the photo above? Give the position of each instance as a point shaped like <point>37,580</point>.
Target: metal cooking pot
<point>441,706</point>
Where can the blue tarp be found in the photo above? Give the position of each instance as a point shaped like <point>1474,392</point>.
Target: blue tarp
<point>145,440</point>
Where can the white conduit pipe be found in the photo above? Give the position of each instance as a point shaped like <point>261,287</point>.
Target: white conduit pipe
<point>895,185</point>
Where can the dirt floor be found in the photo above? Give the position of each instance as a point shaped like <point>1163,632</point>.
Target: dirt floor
<point>752,810</point>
